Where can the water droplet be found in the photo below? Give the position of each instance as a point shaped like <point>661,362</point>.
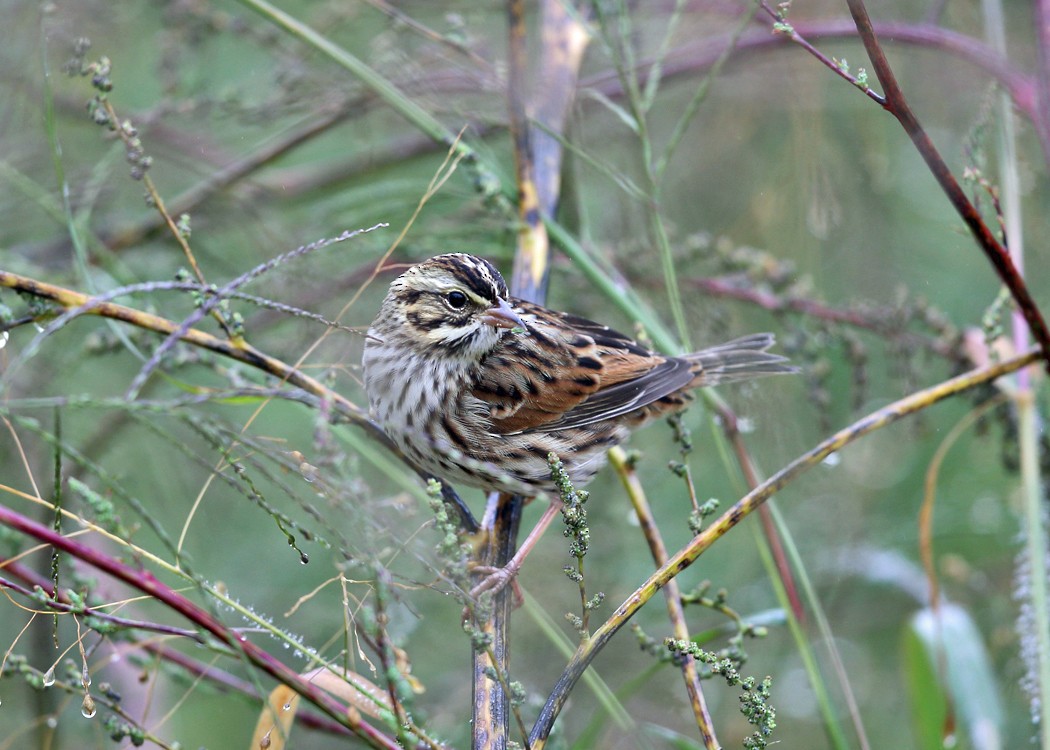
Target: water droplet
<point>832,460</point>
<point>746,425</point>
<point>304,558</point>
<point>39,328</point>
<point>52,722</point>
<point>87,708</point>
<point>288,706</point>
<point>49,677</point>
<point>4,336</point>
<point>309,471</point>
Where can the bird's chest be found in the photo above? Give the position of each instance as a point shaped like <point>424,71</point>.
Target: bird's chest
<point>418,401</point>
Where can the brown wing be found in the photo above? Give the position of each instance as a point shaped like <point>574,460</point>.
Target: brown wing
<point>566,371</point>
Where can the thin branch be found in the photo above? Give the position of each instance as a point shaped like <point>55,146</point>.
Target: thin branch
<point>884,321</point>
<point>338,405</point>
<point>1042,81</point>
<point>897,105</point>
<point>241,352</point>
<point>239,169</point>
<point>65,607</point>
<point>691,58</point>
<point>673,595</point>
<point>224,680</point>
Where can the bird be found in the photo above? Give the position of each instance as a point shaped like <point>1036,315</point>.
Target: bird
<point>479,388</point>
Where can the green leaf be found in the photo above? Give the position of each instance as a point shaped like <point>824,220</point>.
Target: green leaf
<point>950,680</point>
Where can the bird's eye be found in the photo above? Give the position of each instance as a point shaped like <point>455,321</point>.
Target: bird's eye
<point>456,300</point>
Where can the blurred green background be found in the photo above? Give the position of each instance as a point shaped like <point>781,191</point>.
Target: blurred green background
<point>787,182</point>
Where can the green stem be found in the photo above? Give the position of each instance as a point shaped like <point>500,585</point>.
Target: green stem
<point>383,88</point>
<point>1028,421</point>
<point>809,660</point>
<point>1035,549</point>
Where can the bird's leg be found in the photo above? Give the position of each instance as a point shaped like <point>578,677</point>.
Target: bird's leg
<point>496,579</point>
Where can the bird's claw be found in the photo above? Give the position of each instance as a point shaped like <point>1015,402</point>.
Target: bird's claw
<point>495,579</point>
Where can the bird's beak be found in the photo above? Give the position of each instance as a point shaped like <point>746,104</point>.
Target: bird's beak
<point>502,315</point>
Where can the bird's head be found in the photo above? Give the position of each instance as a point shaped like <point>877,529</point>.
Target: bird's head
<point>454,303</point>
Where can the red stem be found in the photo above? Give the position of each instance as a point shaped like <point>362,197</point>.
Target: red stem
<point>217,677</point>
<point>897,105</point>
<point>146,582</point>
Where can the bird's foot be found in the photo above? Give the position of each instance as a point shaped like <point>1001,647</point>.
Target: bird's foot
<point>495,579</point>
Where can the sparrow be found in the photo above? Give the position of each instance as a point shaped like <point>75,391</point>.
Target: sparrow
<point>479,388</point>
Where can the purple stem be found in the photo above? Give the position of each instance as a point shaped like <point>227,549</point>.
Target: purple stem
<point>689,58</point>
<point>1042,83</point>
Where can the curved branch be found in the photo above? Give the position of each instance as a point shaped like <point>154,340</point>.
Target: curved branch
<point>745,506</point>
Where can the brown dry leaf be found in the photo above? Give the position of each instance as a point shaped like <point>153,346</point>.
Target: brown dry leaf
<point>275,720</point>
<point>351,687</point>
<point>405,667</point>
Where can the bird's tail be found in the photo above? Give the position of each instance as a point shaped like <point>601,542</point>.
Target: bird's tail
<point>741,359</point>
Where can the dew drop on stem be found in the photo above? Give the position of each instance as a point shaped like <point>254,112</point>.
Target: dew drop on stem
<point>87,708</point>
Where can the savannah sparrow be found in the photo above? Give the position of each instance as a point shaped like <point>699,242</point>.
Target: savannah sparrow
<point>478,387</point>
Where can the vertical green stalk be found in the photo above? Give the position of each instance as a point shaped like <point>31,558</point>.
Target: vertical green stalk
<point>701,92</point>
<point>1035,551</point>
<point>832,725</point>
<point>1034,524</point>
<point>638,105</point>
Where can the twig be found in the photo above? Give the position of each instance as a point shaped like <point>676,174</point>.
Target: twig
<point>217,677</point>
<point>490,708</point>
<point>1042,83</point>
<point>217,299</point>
<point>129,136</point>
<point>675,610</point>
<point>242,352</point>
<point>491,705</point>
<point>688,59</point>
<point>65,607</point>
<point>531,261</point>
<point>234,172</point>
<point>731,430</point>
